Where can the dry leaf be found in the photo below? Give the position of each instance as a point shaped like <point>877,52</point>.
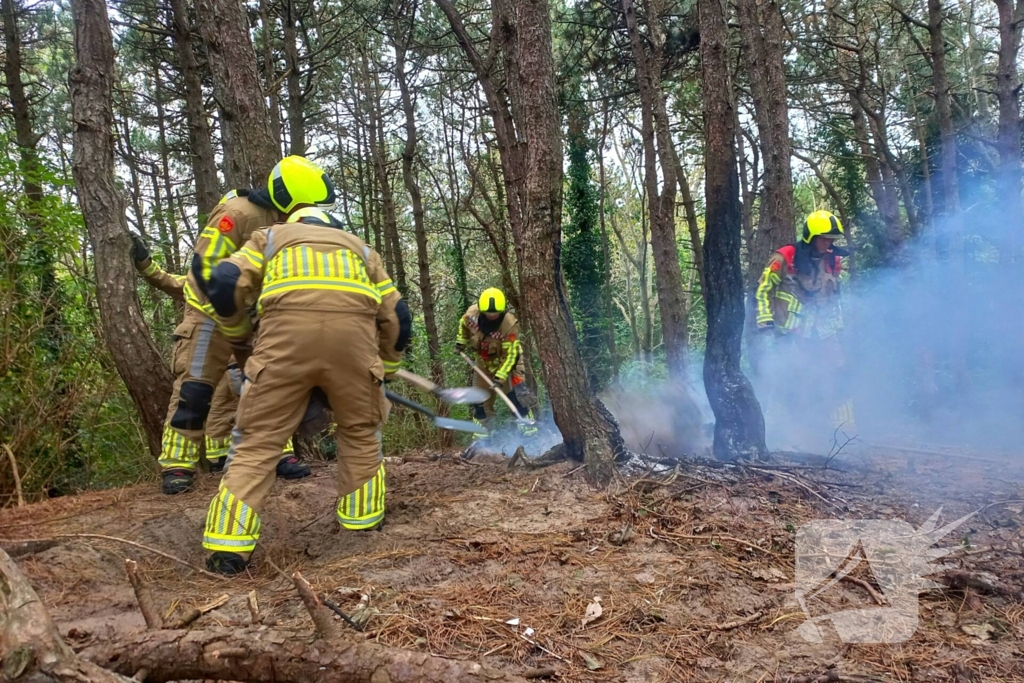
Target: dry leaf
<point>594,612</point>
<point>979,631</point>
<point>592,662</point>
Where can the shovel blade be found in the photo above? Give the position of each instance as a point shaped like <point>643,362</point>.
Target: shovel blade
<point>457,425</point>
<point>463,395</point>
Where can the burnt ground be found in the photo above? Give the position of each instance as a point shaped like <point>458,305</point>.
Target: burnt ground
<point>693,565</point>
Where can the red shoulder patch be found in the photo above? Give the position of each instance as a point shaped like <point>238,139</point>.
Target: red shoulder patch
<point>775,266</point>
<point>512,337</point>
<point>789,253</point>
<point>226,224</point>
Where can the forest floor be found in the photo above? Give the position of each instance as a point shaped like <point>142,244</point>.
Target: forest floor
<point>693,566</point>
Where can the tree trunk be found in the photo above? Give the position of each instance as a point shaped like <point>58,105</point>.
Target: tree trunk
<point>1011,21</point>
<point>940,82</point>
<point>739,424</point>
<point>412,186</point>
<point>296,115</point>
<point>762,33</point>
<point>236,84</point>
<point>136,357</point>
<point>672,300</point>
<point>529,144</point>
<point>378,150</point>
<point>272,86</point>
<point>200,145</point>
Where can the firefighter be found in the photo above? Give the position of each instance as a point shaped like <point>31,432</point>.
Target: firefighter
<point>330,318</point>
<point>492,333</point>
<point>201,350</point>
<point>225,396</point>
<point>798,301</point>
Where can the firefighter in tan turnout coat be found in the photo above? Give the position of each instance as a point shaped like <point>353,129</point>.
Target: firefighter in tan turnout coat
<point>331,318</point>
<point>491,332</point>
<point>202,351</point>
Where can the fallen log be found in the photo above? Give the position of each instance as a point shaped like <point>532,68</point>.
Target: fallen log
<point>31,648</point>
<point>263,655</point>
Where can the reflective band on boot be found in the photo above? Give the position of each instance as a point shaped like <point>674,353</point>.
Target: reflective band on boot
<point>177,451</point>
<point>483,433</point>
<point>231,525</point>
<point>217,448</point>
<point>364,507</point>
<point>528,429</point>
<point>289,449</point>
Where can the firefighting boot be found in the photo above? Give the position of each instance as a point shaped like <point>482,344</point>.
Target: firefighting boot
<point>290,468</point>
<point>177,480</point>
<point>528,430</point>
<point>226,563</point>
<point>217,465</point>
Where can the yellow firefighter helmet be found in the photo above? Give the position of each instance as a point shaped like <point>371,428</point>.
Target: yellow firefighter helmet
<point>822,224</point>
<point>492,301</point>
<point>295,180</point>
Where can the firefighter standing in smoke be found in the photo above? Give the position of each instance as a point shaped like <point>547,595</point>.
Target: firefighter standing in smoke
<point>201,350</point>
<point>225,397</point>
<point>798,299</point>
<point>330,318</point>
<point>492,333</point>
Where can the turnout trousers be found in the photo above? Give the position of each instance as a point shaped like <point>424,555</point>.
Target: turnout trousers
<point>295,352</point>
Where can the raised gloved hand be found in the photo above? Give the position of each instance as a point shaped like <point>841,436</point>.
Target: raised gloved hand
<point>139,250</point>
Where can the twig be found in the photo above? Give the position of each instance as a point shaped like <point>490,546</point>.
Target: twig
<point>161,553</point>
<point>254,607</point>
<point>729,625</point>
<point>196,612</point>
<point>320,615</point>
<point>516,457</point>
<point>337,610</point>
<point>798,482</point>
<point>572,471</point>
<point>875,595</point>
<point>546,672</point>
<point>28,548</point>
<point>143,596</point>
<point>17,475</point>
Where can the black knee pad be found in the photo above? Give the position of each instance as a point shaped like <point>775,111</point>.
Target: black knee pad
<point>193,405</point>
<point>479,413</point>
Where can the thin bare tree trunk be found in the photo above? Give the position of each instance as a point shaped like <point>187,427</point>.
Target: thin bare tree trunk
<point>271,84</point>
<point>293,82</point>
<point>236,83</point>
<point>1011,23</point>
<point>762,33</point>
<point>672,300</point>
<point>136,357</point>
<point>204,163</point>
<point>739,424</point>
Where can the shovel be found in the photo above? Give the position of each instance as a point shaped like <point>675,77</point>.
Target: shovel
<point>497,390</point>
<point>454,395</point>
<point>439,422</point>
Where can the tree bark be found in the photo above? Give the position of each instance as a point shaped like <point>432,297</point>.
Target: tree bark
<point>31,648</point>
<point>672,300</point>
<point>236,84</point>
<point>135,355</point>
<point>293,82</point>
<point>739,424</point>
<point>1011,22</point>
<point>528,131</point>
<point>762,34</point>
<point>940,82</point>
<point>271,84</point>
<point>204,163</point>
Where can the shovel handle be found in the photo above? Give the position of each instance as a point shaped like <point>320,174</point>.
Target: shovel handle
<point>417,381</point>
<point>494,388</point>
<point>409,403</point>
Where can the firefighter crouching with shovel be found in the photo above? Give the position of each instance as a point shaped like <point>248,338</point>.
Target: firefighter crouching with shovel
<point>490,332</point>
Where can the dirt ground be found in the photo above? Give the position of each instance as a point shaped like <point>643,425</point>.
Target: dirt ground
<point>692,566</point>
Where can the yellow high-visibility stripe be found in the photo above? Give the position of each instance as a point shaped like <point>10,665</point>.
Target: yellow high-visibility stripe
<point>217,448</point>
<point>150,269</point>
<point>511,350</point>
<point>385,287</point>
<point>364,507</point>
<point>392,366</point>
<point>769,280</point>
<point>177,451</point>
<point>193,300</point>
<point>231,525</point>
<point>253,257</point>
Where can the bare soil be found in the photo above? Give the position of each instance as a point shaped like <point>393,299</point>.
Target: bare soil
<point>693,566</point>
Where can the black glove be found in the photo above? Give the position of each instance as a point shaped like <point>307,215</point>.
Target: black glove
<point>139,251</point>
<point>460,348</point>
